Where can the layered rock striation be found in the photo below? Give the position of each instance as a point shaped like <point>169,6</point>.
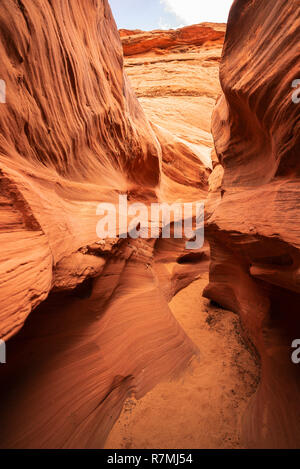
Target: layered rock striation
<point>253,207</point>
<point>86,320</point>
<point>178,84</point>
<point>72,135</point>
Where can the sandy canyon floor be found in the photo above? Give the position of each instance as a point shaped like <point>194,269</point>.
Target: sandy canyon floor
<point>203,408</point>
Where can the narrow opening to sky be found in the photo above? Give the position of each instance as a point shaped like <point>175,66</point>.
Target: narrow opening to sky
<point>167,14</point>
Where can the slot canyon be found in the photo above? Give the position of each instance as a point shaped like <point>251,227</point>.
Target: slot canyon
<point>141,343</point>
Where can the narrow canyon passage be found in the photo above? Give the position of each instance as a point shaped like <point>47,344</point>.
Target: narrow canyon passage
<point>140,341</point>
<point>177,86</point>
<point>100,327</point>
<point>202,408</point>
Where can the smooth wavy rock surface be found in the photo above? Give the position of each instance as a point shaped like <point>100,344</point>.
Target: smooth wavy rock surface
<point>73,134</point>
<point>254,213</point>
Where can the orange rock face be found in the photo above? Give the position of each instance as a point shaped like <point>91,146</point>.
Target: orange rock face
<point>177,86</point>
<point>87,320</point>
<point>73,134</point>
<point>140,42</point>
<point>254,217</point>
<point>75,121</point>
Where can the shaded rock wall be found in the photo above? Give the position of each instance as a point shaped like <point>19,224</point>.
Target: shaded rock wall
<point>253,208</point>
<point>72,134</point>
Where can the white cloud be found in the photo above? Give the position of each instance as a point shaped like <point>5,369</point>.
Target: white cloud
<point>165,26</point>
<point>199,11</point>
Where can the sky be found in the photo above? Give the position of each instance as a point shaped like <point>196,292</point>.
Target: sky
<point>166,14</point>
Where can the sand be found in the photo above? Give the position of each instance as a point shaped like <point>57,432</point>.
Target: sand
<point>203,408</point>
